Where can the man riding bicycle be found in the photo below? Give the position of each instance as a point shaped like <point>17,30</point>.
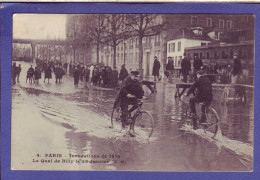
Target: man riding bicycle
<point>131,90</point>
<point>204,94</point>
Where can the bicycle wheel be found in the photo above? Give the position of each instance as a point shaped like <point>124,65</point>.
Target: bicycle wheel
<point>143,124</point>
<point>212,124</point>
<point>115,116</point>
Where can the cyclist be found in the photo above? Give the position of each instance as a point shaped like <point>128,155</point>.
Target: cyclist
<point>204,94</point>
<point>131,90</point>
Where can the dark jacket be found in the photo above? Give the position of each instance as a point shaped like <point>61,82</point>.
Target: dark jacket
<point>185,66</point>
<point>129,86</point>
<point>47,73</point>
<point>204,89</point>
<point>170,65</point>
<point>156,67</point>
<point>123,74</point>
<point>59,73</point>
<point>197,63</point>
<point>76,74</point>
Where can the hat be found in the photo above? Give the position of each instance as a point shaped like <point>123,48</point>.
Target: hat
<point>135,73</point>
<point>235,54</point>
<point>200,72</point>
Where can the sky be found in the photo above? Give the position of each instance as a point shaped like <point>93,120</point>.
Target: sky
<point>39,26</point>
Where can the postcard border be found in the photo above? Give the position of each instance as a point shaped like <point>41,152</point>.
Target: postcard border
<point>7,10</point>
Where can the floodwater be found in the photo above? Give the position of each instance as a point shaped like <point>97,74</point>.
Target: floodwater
<point>75,121</point>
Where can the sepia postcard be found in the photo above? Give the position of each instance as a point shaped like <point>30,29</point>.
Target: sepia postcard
<point>117,91</point>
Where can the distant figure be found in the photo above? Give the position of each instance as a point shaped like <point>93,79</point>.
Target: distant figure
<point>237,68</point>
<point>19,69</point>
<point>95,77</point>
<point>185,67</point>
<point>170,69</point>
<point>37,74</point>
<point>197,65</point>
<point>65,66</point>
<point>59,72</point>
<point>91,68</point>
<point>156,68</point>
<point>86,74</point>
<point>30,74</point>
<point>123,73</point>
<point>14,73</point>
<point>47,73</point>
<point>76,77</point>
<point>114,78</point>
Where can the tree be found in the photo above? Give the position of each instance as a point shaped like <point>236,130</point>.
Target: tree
<point>73,34</point>
<point>115,32</point>
<point>95,26</point>
<point>143,25</point>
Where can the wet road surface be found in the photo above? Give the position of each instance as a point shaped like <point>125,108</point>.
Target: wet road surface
<point>75,121</point>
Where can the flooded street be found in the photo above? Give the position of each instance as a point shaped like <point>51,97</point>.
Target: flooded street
<point>74,122</point>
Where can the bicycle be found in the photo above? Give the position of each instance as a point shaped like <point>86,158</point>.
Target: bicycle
<point>141,122</point>
<point>212,119</point>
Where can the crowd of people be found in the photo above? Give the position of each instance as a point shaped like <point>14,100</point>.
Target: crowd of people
<point>96,75</point>
<point>224,73</point>
<point>107,77</point>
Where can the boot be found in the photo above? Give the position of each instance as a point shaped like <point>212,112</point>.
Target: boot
<point>194,121</point>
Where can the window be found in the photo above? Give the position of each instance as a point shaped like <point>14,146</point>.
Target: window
<point>229,24</point>
<point>173,47</point>
<point>221,23</point>
<point>194,20</point>
<point>169,48</point>
<point>179,46</point>
<point>209,22</point>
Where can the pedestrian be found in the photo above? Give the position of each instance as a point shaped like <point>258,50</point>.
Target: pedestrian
<point>123,73</point>
<point>95,75</point>
<point>14,73</point>
<point>109,75</point>
<point>237,68</point>
<point>91,68</point>
<point>114,78</point>
<point>65,66</point>
<point>185,67</point>
<point>37,74</point>
<point>170,69</point>
<point>156,68</point>
<point>86,74</point>
<point>197,64</point>
<point>47,73</point>
<point>30,75</point>
<point>76,76</point>
<point>19,69</point>
<point>59,72</point>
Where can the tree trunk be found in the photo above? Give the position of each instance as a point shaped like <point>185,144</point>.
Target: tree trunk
<point>74,55</point>
<point>141,56</point>
<point>97,52</point>
<point>114,56</point>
